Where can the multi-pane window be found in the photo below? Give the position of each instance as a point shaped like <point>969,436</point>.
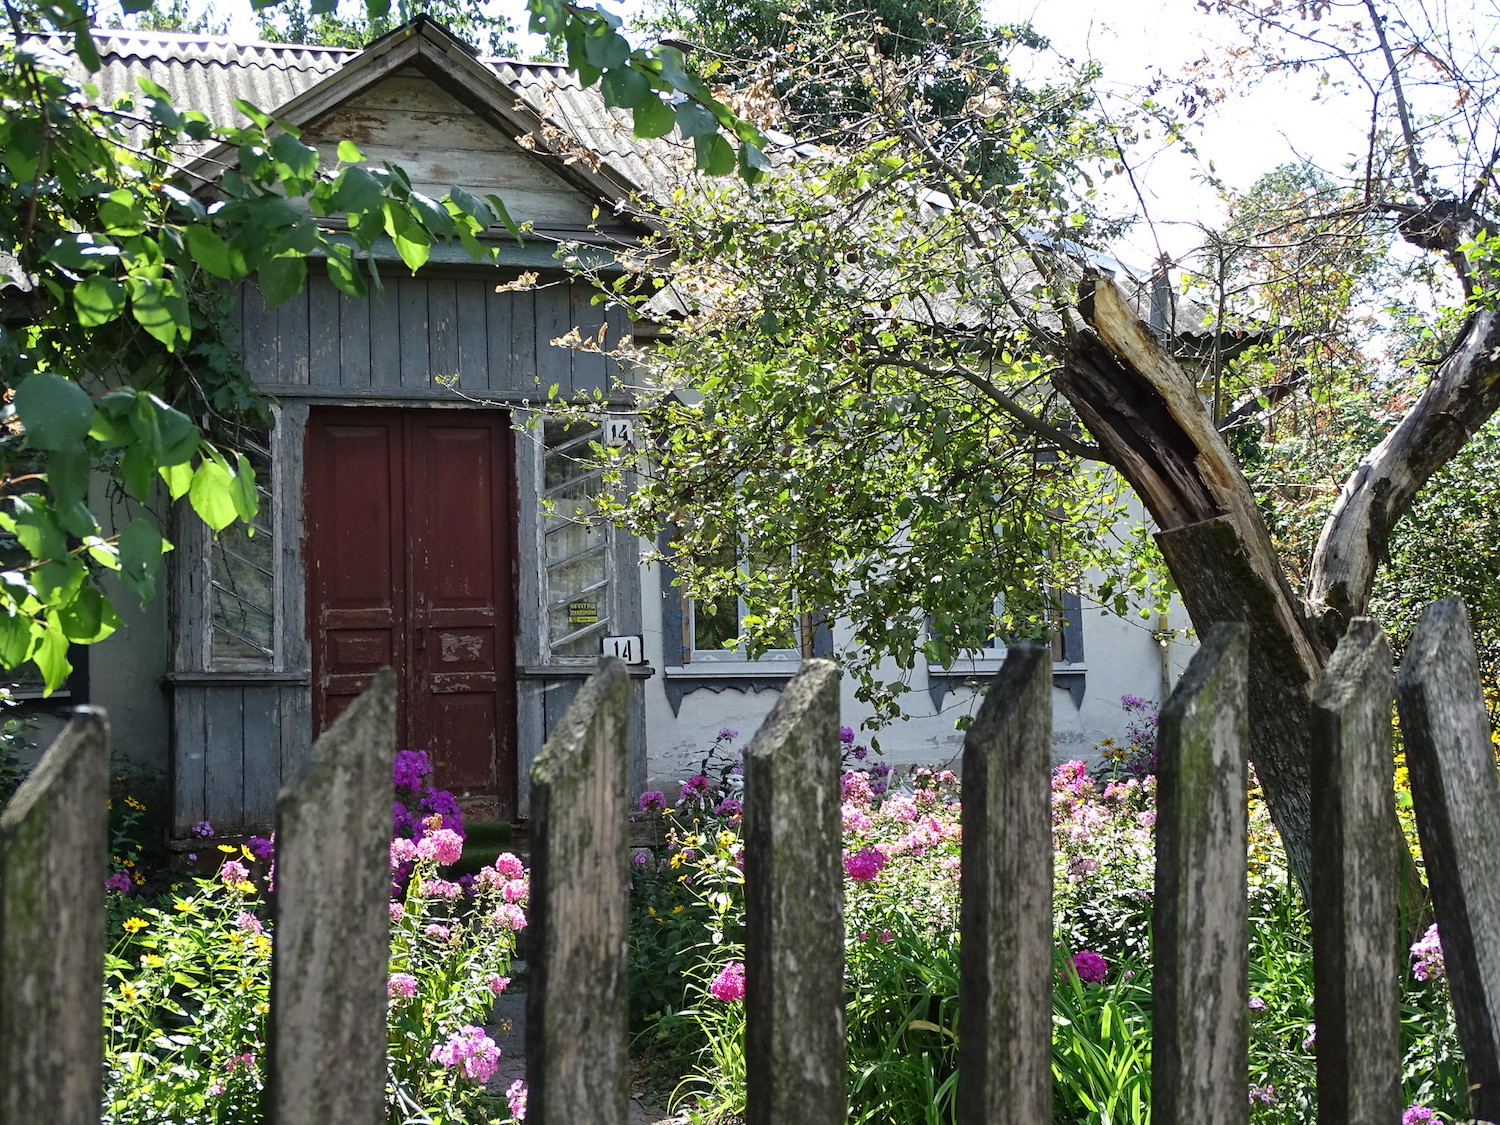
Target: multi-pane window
<point>242,578</point>
<point>575,546</point>
<point>716,626</point>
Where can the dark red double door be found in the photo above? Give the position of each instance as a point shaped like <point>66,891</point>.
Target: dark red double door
<point>411,518</point>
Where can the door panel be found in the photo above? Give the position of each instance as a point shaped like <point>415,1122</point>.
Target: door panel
<point>411,529</point>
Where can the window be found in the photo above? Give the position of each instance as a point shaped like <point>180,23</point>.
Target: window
<point>574,543</point>
<point>715,627</point>
<point>1068,668</point>
<point>242,578</point>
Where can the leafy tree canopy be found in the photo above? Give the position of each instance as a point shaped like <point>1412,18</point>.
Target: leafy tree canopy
<point>354,25</point>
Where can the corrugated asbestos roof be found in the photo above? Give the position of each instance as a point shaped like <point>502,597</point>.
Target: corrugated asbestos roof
<point>208,72</point>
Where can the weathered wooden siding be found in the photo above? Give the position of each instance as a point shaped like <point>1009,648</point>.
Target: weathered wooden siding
<point>396,346</point>
<point>409,120</point>
<point>235,742</point>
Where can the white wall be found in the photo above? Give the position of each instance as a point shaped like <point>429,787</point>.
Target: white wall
<point>1121,656</point>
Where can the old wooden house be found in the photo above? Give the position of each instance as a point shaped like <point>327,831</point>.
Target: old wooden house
<point>414,512</point>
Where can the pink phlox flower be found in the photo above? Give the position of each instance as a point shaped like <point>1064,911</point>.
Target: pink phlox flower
<point>1257,1004</point>
<point>1312,1037</point>
<point>442,846</point>
<point>249,922</point>
<point>1146,819</point>
<point>730,807</point>
<point>855,788</point>
<point>1427,955</point>
<point>403,985</point>
<point>729,985</point>
<point>515,1098</point>
<point>509,916</point>
<point>233,872</point>
<point>119,883</point>
<point>901,807</point>
<point>865,864</point>
<point>488,879</point>
<point>1090,966</point>
<point>472,1051</point>
<point>402,851</point>
<point>437,931</point>
<point>508,866</point>
<point>397,911</point>
<point>498,984</point>
<point>1266,1094</point>
<point>1417,1115</point>
<point>1082,866</point>
<point>855,819</point>
<point>516,890</point>
<point>697,787</point>
<point>442,889</point>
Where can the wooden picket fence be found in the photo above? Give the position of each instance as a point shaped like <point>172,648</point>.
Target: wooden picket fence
<point>328,1003</point>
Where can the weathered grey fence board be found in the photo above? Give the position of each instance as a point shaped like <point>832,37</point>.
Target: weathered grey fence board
<point>1005,959</point>
<point>327,1033</point>
<point>794,908</point>
<point>54,841</point>
<point>1200,1047</point>
<point>1356,970</point>
<point>576,1011</point>
<point>1456,792</point>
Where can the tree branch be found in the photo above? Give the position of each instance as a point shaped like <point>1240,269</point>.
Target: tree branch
<point>1027,420</point>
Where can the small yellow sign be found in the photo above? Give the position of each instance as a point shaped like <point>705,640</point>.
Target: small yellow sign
<point>582,613</point>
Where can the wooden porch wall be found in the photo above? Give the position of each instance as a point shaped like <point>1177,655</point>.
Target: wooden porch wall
<point>236,736</point>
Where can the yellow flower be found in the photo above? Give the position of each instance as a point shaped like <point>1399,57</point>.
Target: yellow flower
<point>185,906</point>
<point>228,849</point>
<point>127,992</point>
<point>134,925</point>
<point>153,960</point>
<point>677,909</point>
<point>140,880</point>
<point>651,910</point>
<point>133,803</point>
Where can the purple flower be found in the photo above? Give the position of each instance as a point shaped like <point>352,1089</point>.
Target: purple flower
<point>119,882</point>
<point>233,872</point>
<point>652,801</point>
<point>1257,1004</point>
<point>410,768</point>
<point>730,806</point>
<point>470,1050</point>
<point>1265,1094</point>
<point>695,787</point>
<point>865,864</point>
<point>1090,966</point>
<point>249,922</point>
<point>846,735</point>
<point>203,829</point>
<point>729,985</point>
<point>1427,955</point>
<point>727,735</point>
<point>261,848</point>
<point>1417,1115</point>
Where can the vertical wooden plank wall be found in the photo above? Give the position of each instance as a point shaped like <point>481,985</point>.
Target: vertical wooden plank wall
<point>794,908</point>
<point>576,1010</point>
<point>1456,792</point>
<point>1356,971</point>
<point>327,1034</point>
<point>54,840</point>
<point>1005,958</point>
<point>1200,1046</point>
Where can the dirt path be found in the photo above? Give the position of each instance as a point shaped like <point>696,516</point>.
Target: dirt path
<point>507,1026</point>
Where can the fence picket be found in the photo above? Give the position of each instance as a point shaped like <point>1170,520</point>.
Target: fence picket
<point>1005,956</point>
<point>1456,792</point>
<point>1356,970</point>
<point>327,1033</point>
<point>1200,1049</point>
<point>54,846</point>
<point>576,1011</point>
<point>794,908</point>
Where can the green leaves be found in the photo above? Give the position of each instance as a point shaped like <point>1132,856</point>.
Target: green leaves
<point>56,412</point>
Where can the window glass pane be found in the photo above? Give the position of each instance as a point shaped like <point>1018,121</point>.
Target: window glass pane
<point>574,543</point>
<point>242,590</point>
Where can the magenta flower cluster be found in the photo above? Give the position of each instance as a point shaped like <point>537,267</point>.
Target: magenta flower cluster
<point>1090,966</point>
<point>402,985</point>
<point>866,864</point>
<point>470,1051</point>
<point>1417,1115</point>
<point>729,985</point>
<point>515,1098</point>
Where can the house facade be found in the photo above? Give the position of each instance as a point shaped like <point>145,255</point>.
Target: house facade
<point>417,509</point>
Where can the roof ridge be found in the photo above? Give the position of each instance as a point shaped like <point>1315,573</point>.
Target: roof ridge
<point>164,37</point>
